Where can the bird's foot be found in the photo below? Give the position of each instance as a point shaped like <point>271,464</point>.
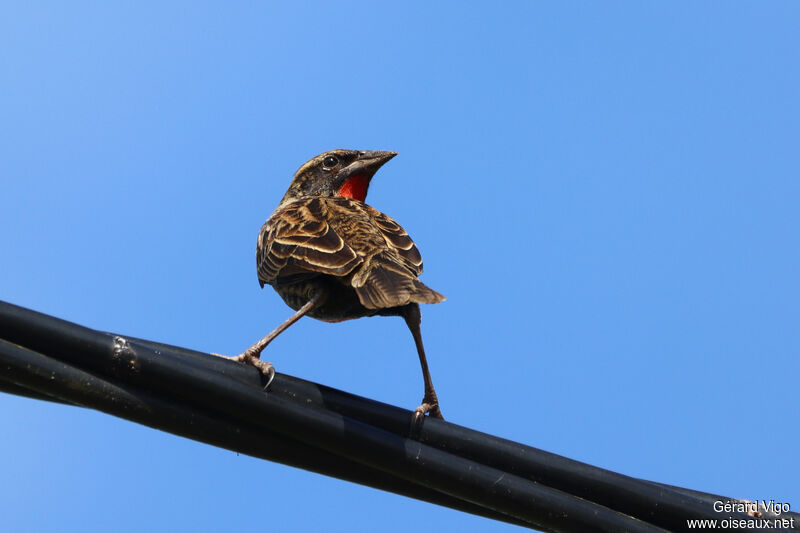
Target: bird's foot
<point>431,408</point>
<point>252,358</point>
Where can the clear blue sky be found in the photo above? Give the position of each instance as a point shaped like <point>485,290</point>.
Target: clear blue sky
<point>607,195</point>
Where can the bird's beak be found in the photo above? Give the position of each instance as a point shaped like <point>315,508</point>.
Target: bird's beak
<point>367,163</point>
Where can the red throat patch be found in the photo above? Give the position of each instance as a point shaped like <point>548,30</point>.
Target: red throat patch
<point>355,187</point>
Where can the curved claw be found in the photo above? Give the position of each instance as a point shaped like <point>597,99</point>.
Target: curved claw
<point>265,367</point>
<point>270,376</point>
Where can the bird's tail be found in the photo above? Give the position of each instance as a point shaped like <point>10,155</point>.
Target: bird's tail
<point>384,282</point>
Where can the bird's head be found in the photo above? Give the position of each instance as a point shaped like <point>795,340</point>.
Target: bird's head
<point>344,173</point>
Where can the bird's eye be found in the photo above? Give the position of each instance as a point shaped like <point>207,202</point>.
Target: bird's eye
<point>329,162</point>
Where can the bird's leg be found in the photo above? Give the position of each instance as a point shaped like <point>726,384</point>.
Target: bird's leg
<point>430,403</point>
<point>252,355</point>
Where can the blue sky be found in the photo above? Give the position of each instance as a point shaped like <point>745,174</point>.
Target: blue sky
<point>607,195</point>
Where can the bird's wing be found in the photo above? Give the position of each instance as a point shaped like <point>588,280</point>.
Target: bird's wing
<point>388,277</point>
<point>398,241</point>
<point>297,241</point>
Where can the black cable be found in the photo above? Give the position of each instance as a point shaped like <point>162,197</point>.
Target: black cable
<point>343,403</point>
<point>458,467</point>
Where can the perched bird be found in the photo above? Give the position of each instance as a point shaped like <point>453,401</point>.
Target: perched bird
<point>332,257</point>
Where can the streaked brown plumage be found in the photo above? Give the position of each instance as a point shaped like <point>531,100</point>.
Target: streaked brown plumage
<point>332,257</point>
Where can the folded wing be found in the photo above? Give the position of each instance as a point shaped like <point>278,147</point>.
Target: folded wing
<point>347,239</point>
<point>297,240</point>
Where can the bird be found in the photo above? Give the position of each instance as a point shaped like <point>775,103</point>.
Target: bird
<point>332,257</point>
